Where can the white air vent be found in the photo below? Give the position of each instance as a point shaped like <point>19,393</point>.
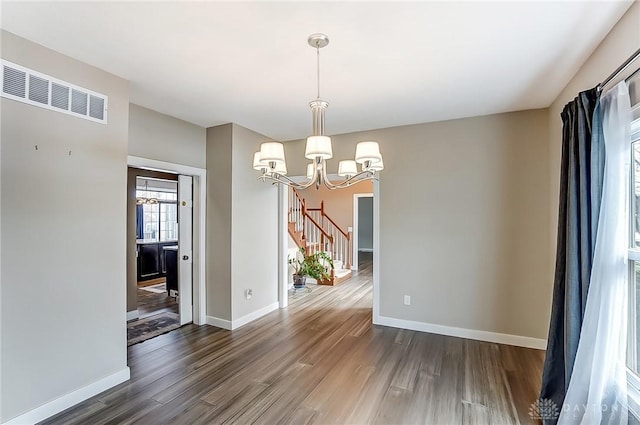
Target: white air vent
<point>32,87</point>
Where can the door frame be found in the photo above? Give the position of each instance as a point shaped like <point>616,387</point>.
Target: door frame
<point>354,243</point>
<point>199,224</point>
<point>283,244</point>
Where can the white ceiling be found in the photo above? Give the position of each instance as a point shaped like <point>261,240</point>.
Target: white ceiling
<point>388,63</point>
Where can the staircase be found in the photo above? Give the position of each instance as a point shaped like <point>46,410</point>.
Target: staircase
<point>313,230</point>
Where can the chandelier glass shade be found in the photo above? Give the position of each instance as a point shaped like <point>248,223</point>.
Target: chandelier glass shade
<point>271,162</point>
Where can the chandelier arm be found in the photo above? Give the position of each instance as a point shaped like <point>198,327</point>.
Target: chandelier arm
<point>325,178</point>
<point>281,178</point>
<point>292,183</point>
<point>288,182</point>
<point>360,177</point>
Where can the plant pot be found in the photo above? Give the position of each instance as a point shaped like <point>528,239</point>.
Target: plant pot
<point>299,281</point>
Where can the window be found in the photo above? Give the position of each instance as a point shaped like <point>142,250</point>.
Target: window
<point>634,261</point>
<point>633,345</point>
<point>168,221</point>
<point>160,221</point>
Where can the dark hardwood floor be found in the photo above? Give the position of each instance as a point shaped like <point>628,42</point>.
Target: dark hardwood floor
<point>150,303</point>
<point>320,361</point>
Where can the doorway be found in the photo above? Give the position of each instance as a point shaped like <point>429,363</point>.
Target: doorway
<point>156,245</point>
<point>284,242</point>
<point>191,257</point>
<point>159,210</point>
<point>165,229</point>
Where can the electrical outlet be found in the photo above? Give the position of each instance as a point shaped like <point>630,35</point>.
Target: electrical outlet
<point>407,300</point>
<point>248,293</point>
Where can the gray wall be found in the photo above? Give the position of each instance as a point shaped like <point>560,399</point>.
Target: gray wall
<point>255,229</point>
<point>242,236</point>
<point>63,237</point>
<point>162,137</point>
<point>365,223</point>
<point>462,203</point>
<point>219,178</point>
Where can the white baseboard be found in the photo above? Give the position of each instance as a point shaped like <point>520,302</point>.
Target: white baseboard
<point>235,324</point>
<point>220,323</point>
<point>134,314</point>
<point>58,405</point>
<point>253,316</point>
<point>520,341</point>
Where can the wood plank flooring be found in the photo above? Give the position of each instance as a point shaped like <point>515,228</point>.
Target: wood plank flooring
<point>320,361</point>
<point>150,303</point>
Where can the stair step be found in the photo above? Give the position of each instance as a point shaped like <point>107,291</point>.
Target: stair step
<point>341,272</point>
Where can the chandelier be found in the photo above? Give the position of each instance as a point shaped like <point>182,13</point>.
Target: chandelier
<point>270,160</point>
<point>141,200</point>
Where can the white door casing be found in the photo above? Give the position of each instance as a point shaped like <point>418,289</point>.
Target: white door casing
<point>283,235</point>
<point>200,225</point>
<point>185,248</point>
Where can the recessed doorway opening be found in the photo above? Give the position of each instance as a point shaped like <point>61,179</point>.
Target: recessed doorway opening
<point>288,206</point>
<point>157,246</point>
<point>165,229</point>
<point>362,230</point>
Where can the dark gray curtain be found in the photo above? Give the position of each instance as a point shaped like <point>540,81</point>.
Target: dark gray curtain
<point>582,171</point>
<point>139,222</point>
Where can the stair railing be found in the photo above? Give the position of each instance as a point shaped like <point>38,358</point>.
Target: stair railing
<point>340,249</point>
<point>314,237</point>
<point>296,210</point>
<point>341,238</point>
<point>314,230</point>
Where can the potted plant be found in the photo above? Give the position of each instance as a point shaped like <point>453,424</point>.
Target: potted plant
<point>312,265</point>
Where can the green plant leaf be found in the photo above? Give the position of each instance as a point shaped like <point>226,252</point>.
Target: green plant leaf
<point>317,265</point>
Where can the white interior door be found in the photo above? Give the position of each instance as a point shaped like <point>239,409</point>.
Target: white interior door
<point>185,248</point>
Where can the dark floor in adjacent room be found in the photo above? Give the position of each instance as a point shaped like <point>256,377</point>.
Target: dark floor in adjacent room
<point>150,303</point>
